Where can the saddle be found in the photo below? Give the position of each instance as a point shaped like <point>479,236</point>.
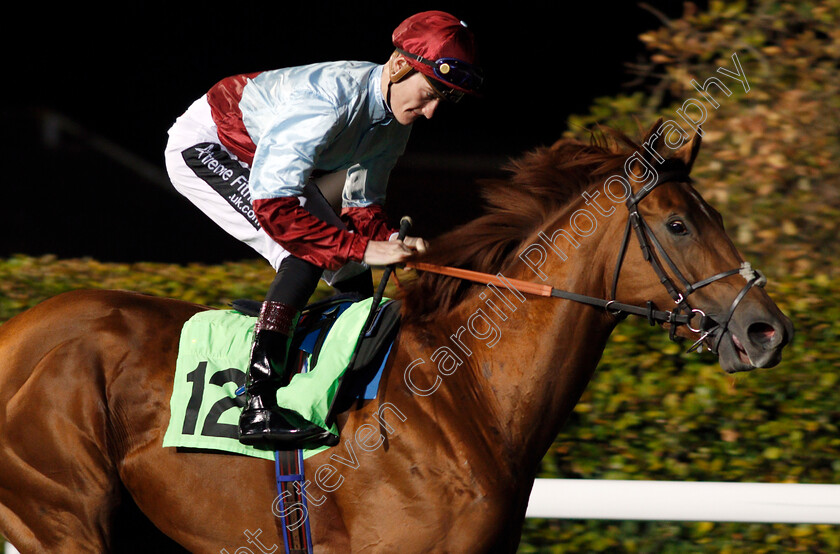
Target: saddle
<point>315,323</point>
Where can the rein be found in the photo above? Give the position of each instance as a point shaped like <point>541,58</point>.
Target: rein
<point>683,314</point>
<point>613,307</point>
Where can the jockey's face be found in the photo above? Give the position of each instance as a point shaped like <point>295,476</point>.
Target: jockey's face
<point>412,98</point>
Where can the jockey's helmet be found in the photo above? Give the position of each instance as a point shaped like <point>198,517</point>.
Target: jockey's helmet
<point>441,47</point>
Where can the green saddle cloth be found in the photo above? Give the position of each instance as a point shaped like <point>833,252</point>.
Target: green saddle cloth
<point>213,357</point>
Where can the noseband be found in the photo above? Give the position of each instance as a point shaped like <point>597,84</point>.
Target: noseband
<point>682,314</point>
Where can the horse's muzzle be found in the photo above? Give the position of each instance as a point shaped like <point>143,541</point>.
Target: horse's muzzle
<point>757,344</point>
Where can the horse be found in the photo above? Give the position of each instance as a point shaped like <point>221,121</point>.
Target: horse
<point>482,375</point>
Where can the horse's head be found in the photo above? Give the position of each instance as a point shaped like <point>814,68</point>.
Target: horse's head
<point>688,264</point>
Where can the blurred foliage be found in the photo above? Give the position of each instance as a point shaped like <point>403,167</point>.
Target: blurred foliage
<point>769,161</point>
<point>26,281</point>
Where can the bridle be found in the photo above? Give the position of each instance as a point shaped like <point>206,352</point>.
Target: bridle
<point>682,314</point>
<point>644,234</point>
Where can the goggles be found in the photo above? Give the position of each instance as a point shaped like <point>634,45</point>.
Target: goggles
<point>451,71</point>
<point>444,92</point>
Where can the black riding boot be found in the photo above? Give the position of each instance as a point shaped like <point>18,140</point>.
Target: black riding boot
<point>262,423</point>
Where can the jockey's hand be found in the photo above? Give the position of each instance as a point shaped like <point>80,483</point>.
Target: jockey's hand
<point>418,245</point>
<point>387,252</point>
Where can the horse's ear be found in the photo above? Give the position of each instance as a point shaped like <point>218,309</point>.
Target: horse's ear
<point>687,153</point>
<point>653,149</point>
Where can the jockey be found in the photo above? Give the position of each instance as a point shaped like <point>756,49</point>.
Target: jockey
<point>295,163</point>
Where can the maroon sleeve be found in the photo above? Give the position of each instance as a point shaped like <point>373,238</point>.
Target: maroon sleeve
<point>370,221</point>
<point>224,99</point>
<point>307,237</point>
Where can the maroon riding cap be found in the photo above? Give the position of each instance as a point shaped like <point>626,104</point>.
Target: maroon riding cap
<point>440,46</point>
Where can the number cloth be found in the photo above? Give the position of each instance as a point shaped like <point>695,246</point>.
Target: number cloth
<point>213,353</point>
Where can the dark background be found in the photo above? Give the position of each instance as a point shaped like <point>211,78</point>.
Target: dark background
<point>91,93</point>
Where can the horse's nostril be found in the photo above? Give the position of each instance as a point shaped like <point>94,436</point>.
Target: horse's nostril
<point>761,334</point>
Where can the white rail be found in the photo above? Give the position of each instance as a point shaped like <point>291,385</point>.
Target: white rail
<point>685,501</point>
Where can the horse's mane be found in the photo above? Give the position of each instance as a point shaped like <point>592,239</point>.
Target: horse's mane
<point>535,186</point>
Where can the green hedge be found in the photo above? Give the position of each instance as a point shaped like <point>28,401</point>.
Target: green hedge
<point>650,413</point>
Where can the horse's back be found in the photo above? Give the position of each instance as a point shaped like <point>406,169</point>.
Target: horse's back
<point>69,369</point>
<point>78,326</point>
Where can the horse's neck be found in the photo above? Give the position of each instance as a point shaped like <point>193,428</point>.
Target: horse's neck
<point>527,359</point>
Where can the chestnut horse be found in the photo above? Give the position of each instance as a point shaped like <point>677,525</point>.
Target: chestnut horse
<point>479,381</point>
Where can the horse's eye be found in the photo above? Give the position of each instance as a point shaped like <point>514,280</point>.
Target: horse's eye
<point>677,227</point>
